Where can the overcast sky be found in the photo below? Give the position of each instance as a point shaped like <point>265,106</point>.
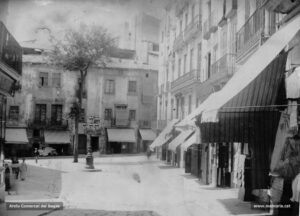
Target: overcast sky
<point>28,18</point>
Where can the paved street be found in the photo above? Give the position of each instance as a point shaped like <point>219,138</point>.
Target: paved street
<point>124,186</point>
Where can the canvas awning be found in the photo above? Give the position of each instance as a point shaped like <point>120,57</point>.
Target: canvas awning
<point>179,139</point>
<point>190,141</point>
<point>164,136</point>
<point>16,136</point>
<point>147,134</point>
<point>252,68</point>
<point>121,135</point>
<point>57,137</point>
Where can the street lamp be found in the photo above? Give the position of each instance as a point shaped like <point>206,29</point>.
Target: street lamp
<point>92,127</point>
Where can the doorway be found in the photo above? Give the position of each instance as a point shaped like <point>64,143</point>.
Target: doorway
<point>95,143</point>
<point>116,147</point>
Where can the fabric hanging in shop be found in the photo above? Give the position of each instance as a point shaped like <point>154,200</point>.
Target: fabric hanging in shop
<point>282,133</point>
<point>293,111</point>
<point>293,85</point>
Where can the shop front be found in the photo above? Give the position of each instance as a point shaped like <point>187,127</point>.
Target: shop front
<point>121,141</point>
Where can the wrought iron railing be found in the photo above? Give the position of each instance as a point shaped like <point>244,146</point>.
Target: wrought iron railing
<point>225,65</point>
<point>253,26</point>
<point>192,75</point>
<point>47,124</point>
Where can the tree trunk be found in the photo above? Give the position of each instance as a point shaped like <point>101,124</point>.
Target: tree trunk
<point>77,117</point>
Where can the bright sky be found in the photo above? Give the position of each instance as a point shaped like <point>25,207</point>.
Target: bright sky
<point>28,18</point>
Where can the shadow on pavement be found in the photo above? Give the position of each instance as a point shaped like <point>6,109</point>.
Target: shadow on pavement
<point>167,167</point>
<point>238,207</point>
<point>40,183</point>
<point>189,176</point>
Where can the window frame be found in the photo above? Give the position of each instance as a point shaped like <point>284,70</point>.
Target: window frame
<point>130,89</point>
<point>43,80</point>
<point>132,117</point>
<point>14,116</point>
<point>109,86</point>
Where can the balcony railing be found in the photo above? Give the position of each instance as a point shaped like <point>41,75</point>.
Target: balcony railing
<point>190,76</point>
<point>178,42</point>
<point>10,50</point>
<point>48,124</point>
<point>193,28</point>
<point>206,31</point>
<point>225,65</point>
<point>213,22</point>
<point>145,124</point>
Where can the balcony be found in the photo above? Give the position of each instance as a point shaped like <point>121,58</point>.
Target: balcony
<point>185,80</point>
<point>10,50</point>
<point>231,7</point>
<point>48,124</point>
<point>178,42</point>
<point>144,124</point>
<point>180,6</point>
<point>224,66</point>
<point>281,6</point>
<point>193,29</point>
<point>253,34</point>
<point>206,27</point>
<point>213,22</point>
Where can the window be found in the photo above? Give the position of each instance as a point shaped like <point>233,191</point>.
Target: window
<point>184,63</point>
<point>40,113</point>
<point>162,36</point>
<point>182,107</point>
<point>186,19</point>
<point>56,114</point>
<point>132,115</point>
<point>131,86</point>
<point>109,87</point>
<point>180,26</point>
<point>172,107</point>
<point>190,104</point>
<point>191,59</point>
<point>108,114</point>
<point>13,113</point>
<point>177,108</point>
<point>193,12</point>
<point>56,80</point>
<point>82,115</point>
<point>179,67</point>
<point>43,79</point>
<point>166,110</point>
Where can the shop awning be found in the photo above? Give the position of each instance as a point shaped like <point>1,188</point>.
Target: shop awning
<point>164,136</point>
<point>57,137</point>
<point>121,135</point>
<point>190,141</point>
<point>179,139</point>
<point>247,73</point>
<point>16,136</point>
<point>147,134</point>
<point>191,118</point>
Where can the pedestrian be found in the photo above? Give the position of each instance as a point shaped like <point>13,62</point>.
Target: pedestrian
<point>148,153</point>
<point>36,155</point>
<point>23,170</point>
<point>7,177</point>
<point>15,166</point>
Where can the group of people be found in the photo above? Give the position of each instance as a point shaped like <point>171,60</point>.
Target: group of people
<point>19,169</point>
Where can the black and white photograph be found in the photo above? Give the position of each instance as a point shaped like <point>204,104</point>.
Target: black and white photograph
<point>149,107</point>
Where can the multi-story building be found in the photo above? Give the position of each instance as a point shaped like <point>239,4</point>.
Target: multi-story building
<point>10,75</point>
<point>122,96</point>
<point>38,115</point>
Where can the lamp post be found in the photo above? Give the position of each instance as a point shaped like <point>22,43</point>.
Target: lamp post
<point>92,127</point>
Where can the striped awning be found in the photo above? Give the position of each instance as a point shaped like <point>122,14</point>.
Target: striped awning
<point>251,74</point>
<point>147,134</point>
<point>179,139</point>
<point>16,136</point>
<point>164,136</point>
